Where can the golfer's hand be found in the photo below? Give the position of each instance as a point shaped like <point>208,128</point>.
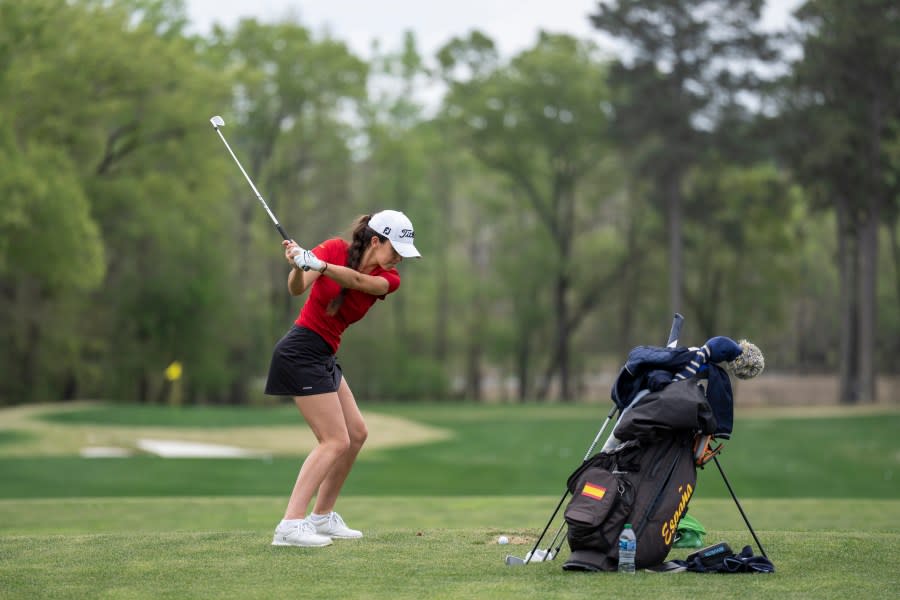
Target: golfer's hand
<point>302,259</point>
<point>308,261</point>
<point>291,252</point>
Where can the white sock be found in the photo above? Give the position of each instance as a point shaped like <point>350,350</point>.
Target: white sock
<point>318,518</point>
<point>289,522</point>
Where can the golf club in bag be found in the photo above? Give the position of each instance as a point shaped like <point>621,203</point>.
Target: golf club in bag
<point>218,122</point>
<point>549,553</point>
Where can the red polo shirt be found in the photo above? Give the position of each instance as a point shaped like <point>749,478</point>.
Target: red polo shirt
<point>313,314</point>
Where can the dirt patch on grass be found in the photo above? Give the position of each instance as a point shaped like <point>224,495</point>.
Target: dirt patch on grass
<point>55,439</point>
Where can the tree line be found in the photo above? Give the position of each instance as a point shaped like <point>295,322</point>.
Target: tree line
<point>567,200</point>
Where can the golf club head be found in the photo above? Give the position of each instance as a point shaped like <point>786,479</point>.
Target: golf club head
<point>217,121</point>
<point>540,555</point>
<point>514,560</point>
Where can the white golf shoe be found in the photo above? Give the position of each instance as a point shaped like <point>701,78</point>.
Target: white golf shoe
<point>334,527</point>
<point>300,533</point>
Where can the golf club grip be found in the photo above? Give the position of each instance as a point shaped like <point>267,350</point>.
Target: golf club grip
<point>281,230</point>
<point>675,332</point>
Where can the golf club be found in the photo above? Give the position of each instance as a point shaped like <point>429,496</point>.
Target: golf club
<point>217,122</point>
<point>515,560</point>
<point>675,331</point>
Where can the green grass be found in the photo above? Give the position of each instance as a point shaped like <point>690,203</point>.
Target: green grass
<point>494,450</point>
<point>428,547</point>
<point>821,494</point>
<point>507,514</point>
<point>12,436</point>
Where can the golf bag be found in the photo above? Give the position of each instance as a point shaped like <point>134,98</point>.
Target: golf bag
<point>646,480</point>
<point>645,473</point>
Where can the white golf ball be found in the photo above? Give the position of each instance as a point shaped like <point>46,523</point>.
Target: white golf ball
<point>502,540</point>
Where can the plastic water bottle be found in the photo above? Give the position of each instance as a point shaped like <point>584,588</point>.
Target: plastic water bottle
<point>627,549</point>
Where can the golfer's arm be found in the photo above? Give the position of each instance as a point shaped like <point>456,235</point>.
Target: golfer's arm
<point>299,281</point>
<point>354,280</point>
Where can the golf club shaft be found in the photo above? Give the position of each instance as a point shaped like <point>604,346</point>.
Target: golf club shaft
<point>255,191</point>
<point>556,539</point>
<point>566,493</point>
<point>609,417</point>
<point>547,526</point>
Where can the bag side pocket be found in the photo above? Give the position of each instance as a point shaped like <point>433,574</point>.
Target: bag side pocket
<point>594,497</point>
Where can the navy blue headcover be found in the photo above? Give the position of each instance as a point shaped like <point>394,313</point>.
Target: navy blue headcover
<point>654,367</point>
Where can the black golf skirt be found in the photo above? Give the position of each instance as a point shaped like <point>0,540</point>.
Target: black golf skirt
<point>303,364</point>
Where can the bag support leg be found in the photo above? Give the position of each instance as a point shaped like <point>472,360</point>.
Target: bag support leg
<point>731,491</point>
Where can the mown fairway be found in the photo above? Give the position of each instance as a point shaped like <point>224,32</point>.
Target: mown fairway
<point>821,493</point>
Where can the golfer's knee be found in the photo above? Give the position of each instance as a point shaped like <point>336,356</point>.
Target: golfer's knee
<point>337,445</point>
<point>358,436</point>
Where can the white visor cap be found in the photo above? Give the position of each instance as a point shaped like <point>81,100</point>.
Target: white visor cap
<point>396,227</point>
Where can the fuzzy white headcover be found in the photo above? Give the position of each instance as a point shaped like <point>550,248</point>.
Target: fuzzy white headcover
<point>749,364</point>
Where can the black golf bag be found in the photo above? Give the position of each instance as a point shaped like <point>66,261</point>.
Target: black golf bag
<point>646,480</point>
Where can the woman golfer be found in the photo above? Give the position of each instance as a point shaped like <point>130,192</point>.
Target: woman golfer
<point>344,279</point>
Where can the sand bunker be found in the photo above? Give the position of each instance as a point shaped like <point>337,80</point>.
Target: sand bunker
<point>182,449</point>
<point>45,438</point>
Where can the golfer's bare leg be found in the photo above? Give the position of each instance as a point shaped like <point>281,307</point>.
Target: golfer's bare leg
<point>325,417</point>
<point>356,427</point>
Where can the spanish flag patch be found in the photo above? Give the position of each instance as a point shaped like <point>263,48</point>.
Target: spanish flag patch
<point>593,491</point>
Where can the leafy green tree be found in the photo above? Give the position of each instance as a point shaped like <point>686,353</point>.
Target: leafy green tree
<point>51,258</point>
<point>681,59</point>
<point>890,316</point>
<point>126,139</point>
<point>743,250</point>
<point>540,122</point>
<point>841,119</point>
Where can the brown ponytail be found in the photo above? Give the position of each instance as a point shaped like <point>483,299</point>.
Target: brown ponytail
<point>360,239</point>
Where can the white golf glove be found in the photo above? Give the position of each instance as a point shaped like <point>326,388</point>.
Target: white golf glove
<point>306,260</point>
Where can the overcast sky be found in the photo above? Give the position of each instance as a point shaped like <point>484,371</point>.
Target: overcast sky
<point>512,24</point>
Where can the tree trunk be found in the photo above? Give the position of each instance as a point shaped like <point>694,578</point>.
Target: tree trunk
<point>143,389</point>
<point>473,369</point>
<point>868,254</point>
<point>29,366</point>
<point>562,335</point>
<point>868,305</point>
<point>443,185</point>
<point>237,391</point>
<point>474,354</point>
<point>847,252</point>
<point>523,361</point>
<point>70,386</point>
<point>564,203</point>
<point>895,251</point>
